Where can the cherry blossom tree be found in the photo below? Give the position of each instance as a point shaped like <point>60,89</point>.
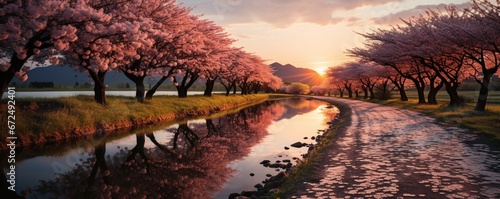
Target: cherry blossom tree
<point>421,41</point>
<point>382,49</point>
<point>273,84</point>
<point>168,23</point>
<point>331,81</point>
<point>33,32</point>
<point>106,44</point>
<point>217,42</point>
<point>343,76</point>
<point>476,33</point>
<point>437,52</point>
<point>200,58</point>
<point>231,73</point>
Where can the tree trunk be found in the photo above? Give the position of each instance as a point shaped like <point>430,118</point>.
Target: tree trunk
<point>99,87</point>
<point>401,88</point>
<point>187,81</point>
<point>234,88</point>
<point>100,94</point>
<point>365,91</point>
<point>385,91</point>
<point>483,92</point>
<point>5,78</point>
<point>431,97</point>
<point>182,92</point>
<point>256,89</point>
<point>402,95</point>
<point>227,87</point>
<point>372,94</point>
<point>420,92</point>
<point>139,85</point>
<point>151,92</point>
<point>140,90</point>
<point>349,91</point>
<point>243,88</point>
<point>15,66</point>
<point>209,88</point>
<point>453,94</point>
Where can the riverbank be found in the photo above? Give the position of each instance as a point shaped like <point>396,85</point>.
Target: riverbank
<point>42,121</point>
<point>315,158</point>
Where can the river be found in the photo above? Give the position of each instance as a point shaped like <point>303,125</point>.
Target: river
<point>209,157</point>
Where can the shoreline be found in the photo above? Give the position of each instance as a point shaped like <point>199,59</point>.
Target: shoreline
<point>301,173</point>
<point>286,183</point>
<point>103,129</point>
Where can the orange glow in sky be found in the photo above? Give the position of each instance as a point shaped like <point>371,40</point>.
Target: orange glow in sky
<point>304,33</point>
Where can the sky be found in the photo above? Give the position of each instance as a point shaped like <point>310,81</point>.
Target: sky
<point>311,34</point>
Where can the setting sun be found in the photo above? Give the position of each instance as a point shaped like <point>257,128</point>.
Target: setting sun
<point>321,70</point>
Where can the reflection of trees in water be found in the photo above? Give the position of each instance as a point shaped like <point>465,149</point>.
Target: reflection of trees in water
<point>193,164</point>
<point>298,106</point>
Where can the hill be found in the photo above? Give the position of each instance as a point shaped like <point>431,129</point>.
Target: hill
<point>290,73</point>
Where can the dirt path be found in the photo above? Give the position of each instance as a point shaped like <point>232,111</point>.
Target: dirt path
<point>394,153</point>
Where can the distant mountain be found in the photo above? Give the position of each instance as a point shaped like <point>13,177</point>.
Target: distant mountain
<point>68,76</point>
<point>290,73</point>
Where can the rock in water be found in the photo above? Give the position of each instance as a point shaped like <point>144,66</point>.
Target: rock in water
<point>265,162</point>
<point>258,186</point>
<point>297,144</point>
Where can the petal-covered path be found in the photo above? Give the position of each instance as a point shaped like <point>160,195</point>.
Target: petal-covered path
<point>389,152</point>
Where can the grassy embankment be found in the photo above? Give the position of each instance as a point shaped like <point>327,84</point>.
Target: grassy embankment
<point>43,117</point>
<point>487,122</point>
<point>303,171</point>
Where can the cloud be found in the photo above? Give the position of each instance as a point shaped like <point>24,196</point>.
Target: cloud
<point>279,13</point>
<point>395,18</point>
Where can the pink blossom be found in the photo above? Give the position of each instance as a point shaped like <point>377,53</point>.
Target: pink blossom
<point>38,43</point>
<point>60,45</point>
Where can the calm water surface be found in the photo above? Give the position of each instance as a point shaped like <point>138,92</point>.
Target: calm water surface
<point>200,158</point>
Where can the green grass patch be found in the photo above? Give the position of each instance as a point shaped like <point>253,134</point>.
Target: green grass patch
<point>35,116</point>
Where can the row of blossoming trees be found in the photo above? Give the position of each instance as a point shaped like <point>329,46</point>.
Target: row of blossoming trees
<point>440,48</point>
<point>140,38</point>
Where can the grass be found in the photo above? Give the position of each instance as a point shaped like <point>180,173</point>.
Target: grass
<point>302,171</point>
<point>36,116</point>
